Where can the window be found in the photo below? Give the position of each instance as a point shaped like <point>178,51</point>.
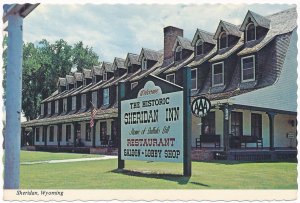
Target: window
<point>250,32</point>
<point>94,79</point>
<point>43,135</point>
<point>223,40</point>
<point>256,125</point>
<point>65,104</point>
<point>194,78</point>
<point>84,82</point>
<point>178,53</point>
<point>83,101</point>
<point>74,103</point>
<point>248,68</point>
<point>208,124</point>
<point>51,138</point>
<point>37,134</point>
<point>94,98</point>
<point>199,47</point>
<point>42,109</point>
<point>68,133</point>
<point>237,123</point>
<point>87,132</point>
<point>144,63</point>
<point>56,106</point>
<point>171,78</point>
<point>134,84</point>
<point>106,96</point>
<point>49,108</point>
<point>104,76</point>
<point>218,74</point>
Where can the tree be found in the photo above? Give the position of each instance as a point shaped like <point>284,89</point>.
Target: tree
<point>43,63</point>
<point>83,57</point>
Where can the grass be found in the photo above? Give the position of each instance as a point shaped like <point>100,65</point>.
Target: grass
<point>102,174</point>
<point>31,156</point>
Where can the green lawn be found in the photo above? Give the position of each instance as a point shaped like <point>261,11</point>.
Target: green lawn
<point>30,156</point>
<point>154,175</point>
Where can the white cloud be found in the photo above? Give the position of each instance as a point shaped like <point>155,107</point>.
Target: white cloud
<point>115,30</point>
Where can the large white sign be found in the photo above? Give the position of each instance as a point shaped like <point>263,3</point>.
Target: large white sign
<point>152,126</point>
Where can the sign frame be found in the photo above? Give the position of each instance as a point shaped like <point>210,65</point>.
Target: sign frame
<point>166,87</point>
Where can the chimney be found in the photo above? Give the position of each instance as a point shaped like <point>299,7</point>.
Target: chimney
<point>170,34</point>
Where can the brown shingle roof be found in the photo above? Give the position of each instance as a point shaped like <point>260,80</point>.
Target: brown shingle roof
<point>205,36</point>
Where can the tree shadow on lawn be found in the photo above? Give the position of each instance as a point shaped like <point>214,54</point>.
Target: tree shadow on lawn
<point>181,180</point>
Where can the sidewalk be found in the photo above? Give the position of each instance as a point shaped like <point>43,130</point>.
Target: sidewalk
<point>70,160</point>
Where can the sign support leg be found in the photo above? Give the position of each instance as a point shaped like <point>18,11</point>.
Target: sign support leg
<point>187,164</point>
<point>121,95</point>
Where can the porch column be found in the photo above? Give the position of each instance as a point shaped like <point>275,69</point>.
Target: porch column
<point>59,134</point>
<point>23,137</point>
<point>271,116</point>
<point>45,134</point>
<point>33,135</point>
<point>226,115</point>
<point>75,133</point>
<point>94,133</point>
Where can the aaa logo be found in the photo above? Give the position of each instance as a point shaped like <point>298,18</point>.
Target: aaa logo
<point>201,106</point>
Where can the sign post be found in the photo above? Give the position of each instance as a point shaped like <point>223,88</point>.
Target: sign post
<point>121,95</point>
<point>187,163</point>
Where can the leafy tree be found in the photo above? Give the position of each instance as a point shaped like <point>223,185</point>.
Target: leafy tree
<point>84,57</point>
<point>43,63</point>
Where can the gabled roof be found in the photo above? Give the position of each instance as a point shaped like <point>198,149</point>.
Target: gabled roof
<point>281,23</point>
<point>257,19</point>
<point>204,36</point>
<point>119,63</point>
<point>107,67</point>
<point>70,79</point>
<point>87,73</point>
<point>133,59</point>
<point>150,54</point>
<point>61,82</point>
<point>183,42</point>
<point>229,28</point>
<point>78,76</point>
<point>96,70</point>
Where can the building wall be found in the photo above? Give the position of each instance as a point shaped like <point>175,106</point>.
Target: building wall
<point>282,127</point>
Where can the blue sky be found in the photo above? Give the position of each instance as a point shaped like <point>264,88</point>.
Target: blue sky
<point>115,30</point>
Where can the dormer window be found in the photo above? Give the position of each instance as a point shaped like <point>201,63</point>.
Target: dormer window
<point>248,68</point>
<point>84,82</point>
<point>56,106</point>
<point>74,103</point>
<point>218,74</point>
<point>65,104</point>
<point>42,109</point>
<point>104,76</point>
<point>94,79</point>
<point>144,63</point>
<point>178,53</point>
<point>223,42</point>
<point>250,32</point>
<point>199,47</point>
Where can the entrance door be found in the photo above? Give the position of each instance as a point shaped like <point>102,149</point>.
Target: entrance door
<point>103,134</point>
<point>236,129</point>
<point>114,134</point>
